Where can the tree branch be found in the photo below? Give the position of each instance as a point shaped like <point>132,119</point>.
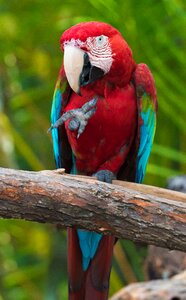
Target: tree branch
<point>137,212</point>
<point>162,289</point>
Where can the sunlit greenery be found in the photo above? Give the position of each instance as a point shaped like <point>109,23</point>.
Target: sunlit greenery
<point>33,256</point>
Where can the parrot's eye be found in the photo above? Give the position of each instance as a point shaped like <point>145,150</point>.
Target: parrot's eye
<point>101,40</point>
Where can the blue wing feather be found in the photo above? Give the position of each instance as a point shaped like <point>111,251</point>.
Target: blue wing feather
<point>61,147</point>
<point>147,131</point>
<point>55,114</point>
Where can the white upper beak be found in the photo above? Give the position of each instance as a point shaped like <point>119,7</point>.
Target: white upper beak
<point>73,65</point>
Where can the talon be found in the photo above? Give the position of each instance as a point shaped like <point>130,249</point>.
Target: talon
<point>81,129</point>
<point>79,117</point>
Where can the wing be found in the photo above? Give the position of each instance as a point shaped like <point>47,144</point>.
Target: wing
<point>134,167</point>
<point>61,147</point>
<point>147,110</point>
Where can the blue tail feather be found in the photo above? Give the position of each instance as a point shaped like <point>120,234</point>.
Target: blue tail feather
<point>89,242</point>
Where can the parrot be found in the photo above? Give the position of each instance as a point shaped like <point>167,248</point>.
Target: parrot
<point>103,121</point>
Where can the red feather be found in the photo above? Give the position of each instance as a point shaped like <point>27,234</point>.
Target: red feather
<point>106,140</point>
<point>94,283</point>
<point>110,141</point>
<point>75,271</point>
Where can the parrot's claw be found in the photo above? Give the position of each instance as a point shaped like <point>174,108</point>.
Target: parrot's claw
<point>78,117</point>
<point>105,176</point>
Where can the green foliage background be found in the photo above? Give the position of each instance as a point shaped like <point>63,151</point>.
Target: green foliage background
<point>33,256</point>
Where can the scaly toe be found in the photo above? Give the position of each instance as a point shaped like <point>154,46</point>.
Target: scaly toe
<point>105,176</point>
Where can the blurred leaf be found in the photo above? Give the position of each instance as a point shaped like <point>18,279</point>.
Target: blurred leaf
<point>171,153</point>
<point>124,264</point>
<point>33,256</point>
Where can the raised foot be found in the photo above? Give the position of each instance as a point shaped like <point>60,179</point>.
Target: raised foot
<point>105,176</point>
<point>78,117</point>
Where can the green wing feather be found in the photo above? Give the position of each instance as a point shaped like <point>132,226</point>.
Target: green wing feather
<point>61,147</point>
<point>147,109</point>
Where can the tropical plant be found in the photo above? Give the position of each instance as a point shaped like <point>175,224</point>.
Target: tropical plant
<point>32,260</point>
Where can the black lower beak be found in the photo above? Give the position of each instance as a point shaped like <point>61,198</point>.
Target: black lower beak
<point>89,73</point>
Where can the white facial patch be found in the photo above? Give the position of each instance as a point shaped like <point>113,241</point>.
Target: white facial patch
<point>98,49</point>
<point>100,52</point>
<point>74,43</point>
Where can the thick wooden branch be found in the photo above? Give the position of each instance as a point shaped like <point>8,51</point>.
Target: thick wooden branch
<point>136,212</point>
<point>165,289</point>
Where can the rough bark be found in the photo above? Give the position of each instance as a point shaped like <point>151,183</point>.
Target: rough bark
<point>169,289</point>
<point>137,212</point>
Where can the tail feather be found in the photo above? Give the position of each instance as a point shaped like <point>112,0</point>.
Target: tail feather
<point>92,284</point>
<point>98,274</point>
<point>75,271</point>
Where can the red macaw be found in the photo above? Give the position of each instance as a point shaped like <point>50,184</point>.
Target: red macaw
<point>103,123</point>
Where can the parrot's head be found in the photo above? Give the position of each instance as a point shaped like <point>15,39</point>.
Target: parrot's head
<point>95,50</point>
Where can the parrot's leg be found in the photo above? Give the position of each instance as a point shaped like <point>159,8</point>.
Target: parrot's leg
<point>105,176</point>
<point>109,169</point>
<point>78,117</point>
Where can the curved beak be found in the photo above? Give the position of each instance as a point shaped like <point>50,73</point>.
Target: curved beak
<point>78,69</point>
<point>73,64</point>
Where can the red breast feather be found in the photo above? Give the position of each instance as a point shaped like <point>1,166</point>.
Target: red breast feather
<point>110,128</point>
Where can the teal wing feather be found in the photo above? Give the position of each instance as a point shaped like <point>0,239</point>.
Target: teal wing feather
<point>61,147</point>
<point>55,114</point>
<point>135,165</point>
<point>147,109</point>
<point>147,116</point>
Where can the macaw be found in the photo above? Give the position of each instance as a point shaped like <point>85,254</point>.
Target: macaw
<point>103,124</point>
